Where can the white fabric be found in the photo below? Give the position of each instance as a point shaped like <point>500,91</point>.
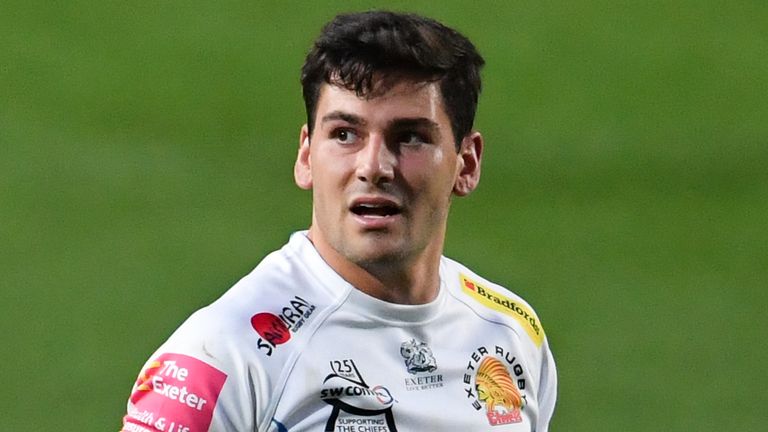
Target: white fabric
<point>356,363</point>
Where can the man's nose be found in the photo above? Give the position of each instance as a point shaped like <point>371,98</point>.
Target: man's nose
<point>376,161</point>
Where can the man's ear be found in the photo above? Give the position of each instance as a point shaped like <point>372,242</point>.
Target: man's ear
<point>302,172</point>
<point>470,157</point>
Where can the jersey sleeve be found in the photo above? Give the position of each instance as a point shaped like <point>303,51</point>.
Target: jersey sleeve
<point>174,392</point>
<point>499,304</point>
<point>223,369</point>
<point>195,382</point>
<point>547,389</point>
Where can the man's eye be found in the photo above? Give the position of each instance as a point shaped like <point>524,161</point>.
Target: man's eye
<point>345,136</point>
<point>412,139</point>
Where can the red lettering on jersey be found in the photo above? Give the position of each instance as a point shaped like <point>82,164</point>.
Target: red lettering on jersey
<point>174,393</point>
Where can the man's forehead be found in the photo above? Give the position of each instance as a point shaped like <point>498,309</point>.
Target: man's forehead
<point>409,95</point>
<point>383,86</point>
<point>417,104</point>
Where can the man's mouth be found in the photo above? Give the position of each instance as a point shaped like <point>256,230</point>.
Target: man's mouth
<point>375,207</point>
<point>375,210</point>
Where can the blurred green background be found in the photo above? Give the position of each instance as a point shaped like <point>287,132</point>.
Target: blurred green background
<point>146,151</point>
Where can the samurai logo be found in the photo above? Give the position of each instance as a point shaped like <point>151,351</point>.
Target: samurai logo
<point>418,357</point>
<point>356,404</point>
<point>276,329</point>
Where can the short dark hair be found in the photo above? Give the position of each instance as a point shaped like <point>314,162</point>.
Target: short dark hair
<point>355,50</point>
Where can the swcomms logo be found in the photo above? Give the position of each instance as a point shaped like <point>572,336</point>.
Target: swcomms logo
<point>373,398</point>
<point>356,405</point>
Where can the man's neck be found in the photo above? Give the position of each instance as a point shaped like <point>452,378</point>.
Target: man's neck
<point>407,281</point>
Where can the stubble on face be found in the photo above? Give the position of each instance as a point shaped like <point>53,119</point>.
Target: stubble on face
<point>420,182</point>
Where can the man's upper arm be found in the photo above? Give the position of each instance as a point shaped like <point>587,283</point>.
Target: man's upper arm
<point>547,389</point>
<point>174,393</point>
<point>197,381</point>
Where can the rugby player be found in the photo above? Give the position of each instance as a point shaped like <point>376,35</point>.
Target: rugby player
<point>360,323</point>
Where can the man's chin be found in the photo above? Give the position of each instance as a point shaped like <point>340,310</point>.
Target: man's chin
<point>376,251</point>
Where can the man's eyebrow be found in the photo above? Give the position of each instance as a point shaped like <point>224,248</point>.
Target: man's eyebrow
<point>344,116</point>
<point>416,122</point>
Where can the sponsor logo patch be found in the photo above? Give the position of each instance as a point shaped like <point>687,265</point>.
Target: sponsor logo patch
<point>174,393</point>
<point>504,304</point>
<point>420,363</point>
<point>276,329</point>
<point>489,384</point>
<point>356,405</point>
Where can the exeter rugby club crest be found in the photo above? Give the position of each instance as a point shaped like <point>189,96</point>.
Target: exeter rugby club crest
<point>420,363</point>
<point>495,383</point>
<point>356,405</point>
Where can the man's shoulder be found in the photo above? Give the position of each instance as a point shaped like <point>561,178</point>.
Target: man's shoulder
<point>265,310</point>
<point>292,274</point>
<point>491,300</point>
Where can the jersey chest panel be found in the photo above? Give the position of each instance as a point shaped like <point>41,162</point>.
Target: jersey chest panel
<point>426,378</point>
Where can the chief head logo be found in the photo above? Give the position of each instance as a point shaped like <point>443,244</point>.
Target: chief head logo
<point>418,357</point>
<point>497,390</point>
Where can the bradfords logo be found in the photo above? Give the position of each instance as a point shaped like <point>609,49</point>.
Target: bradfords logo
<point>505,305</point>
<point>174,393</point>
<point>489,383</point>
<point>276,329</point>
<point>419,360</point>
<point>356,405</point>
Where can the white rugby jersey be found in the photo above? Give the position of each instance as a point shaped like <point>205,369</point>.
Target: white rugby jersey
<point>294,347</point>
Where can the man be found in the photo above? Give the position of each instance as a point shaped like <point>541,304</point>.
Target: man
<point>360,323</point>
